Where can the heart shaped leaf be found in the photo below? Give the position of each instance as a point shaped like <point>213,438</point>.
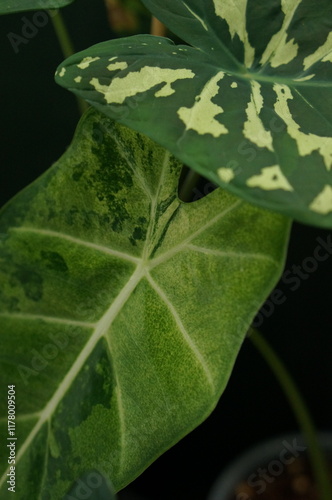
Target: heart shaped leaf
<point>122,309</point>
<point>248,105</point>
<point>10,6</point>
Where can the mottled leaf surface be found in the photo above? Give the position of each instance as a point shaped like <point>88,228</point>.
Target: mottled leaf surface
<point>247,104</point>
<point>10,6</point>
<point>122,309</point>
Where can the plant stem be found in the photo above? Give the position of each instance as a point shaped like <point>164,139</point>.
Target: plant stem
<point>66,47</point>
<point>301,413</point>
<point>188,184</point>
<point>157,28</point>
<point>62,33</point>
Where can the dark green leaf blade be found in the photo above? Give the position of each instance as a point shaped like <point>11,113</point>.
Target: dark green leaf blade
<point>11,6</point>
<point>250,33</point>
<point>196,23</point>
<point>122,309</point>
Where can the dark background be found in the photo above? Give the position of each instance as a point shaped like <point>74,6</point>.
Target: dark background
<point>38,119</point>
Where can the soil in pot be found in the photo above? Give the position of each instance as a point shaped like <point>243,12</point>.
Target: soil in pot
<point>295,482</point>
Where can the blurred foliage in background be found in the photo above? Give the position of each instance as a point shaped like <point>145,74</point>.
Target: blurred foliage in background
<point>127,17</point>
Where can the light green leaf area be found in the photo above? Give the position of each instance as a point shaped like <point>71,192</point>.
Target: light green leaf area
<point>122,309</point>
<point>11,6</point>
<point>248,104</point>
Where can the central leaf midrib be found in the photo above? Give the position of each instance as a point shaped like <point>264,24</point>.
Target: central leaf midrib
<point>101,328</point>
<point>273,79</point>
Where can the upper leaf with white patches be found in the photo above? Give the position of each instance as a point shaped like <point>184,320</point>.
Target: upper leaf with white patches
<point>251,96</point>
<point>11,6</point>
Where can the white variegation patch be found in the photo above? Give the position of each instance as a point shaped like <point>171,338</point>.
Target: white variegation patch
<point>322,204</point>
<point>269,179</point>
<point>234,85</point>
<point>234,13</point>
<point>62,72</point>
<point>117,65</point>
<point>226,174</point>
<point>253,128</point>
<point>201,116</point>
<point>304,78</point>
<point>323,53</point>
<point>279,50</point>
<point>306,143</point>
<point>85,63</point>
<point>78,79</point>
<point>141,81</point>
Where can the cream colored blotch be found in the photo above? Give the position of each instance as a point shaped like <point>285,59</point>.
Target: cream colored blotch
<point>225,174</point>
<point>117,65</point>
<point>306,143</point>
<point>280,49</point>
<point>85,63</point>
<point>269,179</point>
<point>323,53</point>
<point>234,13</point>
<point>253,129</point>
<point>141,81</point>
<point>201,116</point>
<point>322,204</point>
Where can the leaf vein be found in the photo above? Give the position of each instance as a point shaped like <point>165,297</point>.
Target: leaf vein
<point>119,403</point>
<point>78,241</point>
<point>176,249</point>
<point>132,166</point>
<point>49,319</point>
<point>232,254</point>
<point>186,337</point>
<point>100,330</point>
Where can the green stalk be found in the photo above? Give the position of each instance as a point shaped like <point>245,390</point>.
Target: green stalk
<point>190,181</point>
<point>66,46</point>
<point>301,413</point>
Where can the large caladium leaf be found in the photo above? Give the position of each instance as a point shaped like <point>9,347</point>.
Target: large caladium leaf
<point>10,6</point>
<point>122,309</point>
<point>248,105</point>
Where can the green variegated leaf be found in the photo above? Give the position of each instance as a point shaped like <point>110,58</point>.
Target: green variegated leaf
<point>10,6</point>
<point>248,105</point>
<point>122,309</point>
